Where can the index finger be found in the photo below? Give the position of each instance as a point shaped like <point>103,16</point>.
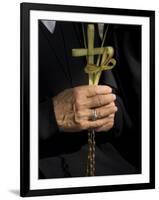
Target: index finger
<point>94,90</point>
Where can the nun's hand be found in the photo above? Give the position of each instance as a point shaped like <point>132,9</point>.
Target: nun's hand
<point>85,107</point>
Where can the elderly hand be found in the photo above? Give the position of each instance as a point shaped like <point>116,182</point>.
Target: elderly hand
<point>74,108</point>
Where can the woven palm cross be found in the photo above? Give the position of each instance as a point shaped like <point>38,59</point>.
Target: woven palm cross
<point>107,62</point>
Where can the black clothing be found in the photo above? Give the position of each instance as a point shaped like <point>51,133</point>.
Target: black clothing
<point>64,154</point>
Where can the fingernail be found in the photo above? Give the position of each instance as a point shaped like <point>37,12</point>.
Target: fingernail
<point>116,108</point>
<point>110,89</point>
<point>114,96</point>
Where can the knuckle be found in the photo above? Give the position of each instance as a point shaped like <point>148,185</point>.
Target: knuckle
<point>113,103</point>
<point>106,112</point>
<point>112,110</point>
<point>111,116</point>
<point>76,92</point>
<point>99,100</point>
<point>77,117</point>
<point>97,124</point>
<point>79,98</point>
<point>77,104</point>
<point>82,125</point>
<point>78,120</point>
<point>95,89</point>
<point>110,105</point>
<point>109,89</point>
<point>113,97</point>
<point>110,98</point>
<point>99,113</point>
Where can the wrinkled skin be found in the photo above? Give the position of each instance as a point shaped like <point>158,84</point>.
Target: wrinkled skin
<point>74,108</point>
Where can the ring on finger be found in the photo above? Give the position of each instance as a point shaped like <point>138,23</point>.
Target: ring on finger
<point>94,115</point>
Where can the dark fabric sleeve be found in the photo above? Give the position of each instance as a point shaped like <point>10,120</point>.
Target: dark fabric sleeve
<point>47,121</point>
<point>122,119</point>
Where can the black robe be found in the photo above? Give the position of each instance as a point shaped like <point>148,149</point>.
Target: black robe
<point>65,154</point>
